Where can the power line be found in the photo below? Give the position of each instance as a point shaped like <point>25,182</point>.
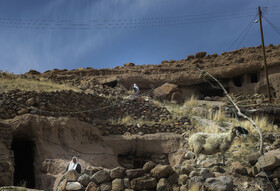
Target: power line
<point>245,31</point>
<point>130,23</point>
<point>277,30</point>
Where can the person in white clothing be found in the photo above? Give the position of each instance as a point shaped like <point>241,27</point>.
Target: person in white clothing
<point>136,89</point>
<point>74,165</point>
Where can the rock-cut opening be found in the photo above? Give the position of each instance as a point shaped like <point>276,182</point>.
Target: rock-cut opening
<point>23,162</point>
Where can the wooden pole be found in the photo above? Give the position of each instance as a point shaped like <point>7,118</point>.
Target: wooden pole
<point>264,57</point>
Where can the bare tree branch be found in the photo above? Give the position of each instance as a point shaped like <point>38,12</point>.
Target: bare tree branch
<point>237,108</point>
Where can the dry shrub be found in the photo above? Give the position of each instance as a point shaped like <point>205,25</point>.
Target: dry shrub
<point>217,115</point>
<point>263,122</point>
<point>193,101</point>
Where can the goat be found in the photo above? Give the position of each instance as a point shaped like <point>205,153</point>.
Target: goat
<point>210,143</point>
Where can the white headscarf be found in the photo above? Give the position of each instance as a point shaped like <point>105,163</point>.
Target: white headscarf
<point>73,165</point>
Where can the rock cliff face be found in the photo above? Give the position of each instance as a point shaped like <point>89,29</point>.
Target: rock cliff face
<point>54,141</point>
<point>241,71</point>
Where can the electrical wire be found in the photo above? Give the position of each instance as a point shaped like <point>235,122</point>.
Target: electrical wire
<point>277,30</point>
<point>245,31</point>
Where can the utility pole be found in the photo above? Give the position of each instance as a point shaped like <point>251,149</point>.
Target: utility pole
<point>264,57</point>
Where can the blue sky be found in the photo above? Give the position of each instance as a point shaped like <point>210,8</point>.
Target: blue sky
<point>68,34</point>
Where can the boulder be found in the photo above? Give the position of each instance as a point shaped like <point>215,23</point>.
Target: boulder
<point>84,179</point>
<point>200,54</point>
<point>162,184</point>
<point>143,183</point>
<point>165,91</point>
<point>72,176</point>
<point>161,171</point>
<point>100,177</point>
<point>130,64</point>
<point>223,183</point>
<point>118,172</point>
<point>177,97</point>
<point>238,168</point>
<point>106,186</point>
<point>91,187</point>
<point>74,186</point>
<point>268,162</point>
<point>118,185</point>
<point>149,166</point>
<point>134,173</point>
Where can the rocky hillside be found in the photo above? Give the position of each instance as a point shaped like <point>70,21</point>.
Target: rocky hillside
<point>128,142</point>
<point>181,72</point>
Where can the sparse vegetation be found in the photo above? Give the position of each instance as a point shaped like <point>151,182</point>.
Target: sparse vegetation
<point>193,101</point>
<point>10,82</point>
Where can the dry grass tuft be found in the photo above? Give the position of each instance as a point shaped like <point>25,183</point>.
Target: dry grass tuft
<point>264,123</point>
<point>10,82</point>
<point>192,102</point>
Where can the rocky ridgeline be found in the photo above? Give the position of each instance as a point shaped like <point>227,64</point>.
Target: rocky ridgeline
<point>163,177</point>
<point>85,107</point>
<point>226,65</point>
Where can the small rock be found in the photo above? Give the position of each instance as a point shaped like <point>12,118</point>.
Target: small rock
<point>238,168</point>
<point>143,183</point>
<point>30,102</point>
<point>126,182</point>
<point>91,187</point>
<point>134,173</point>
<point>204,172</point>
<point>217,169</point>
<point>188,155</point>
<point>223,183</point>
<point>118,172</point>
<point>117,185</point>
<point>182,179</point>
<point>74,186</point>
<point>149,166</point>
<point>268,162</point>
<point>23,111</point>
<point>187,169</point>
<point>193,174</point>
<point>161,171</point>
<point>162,184</point>
<point>84,179</point>
<point>106,186</point>
<point>72,176</point>
<point>100,177</point>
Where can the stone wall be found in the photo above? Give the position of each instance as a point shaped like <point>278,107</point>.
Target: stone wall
<point>86,107</point>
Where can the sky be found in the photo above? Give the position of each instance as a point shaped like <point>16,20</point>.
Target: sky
<point>69,34</point>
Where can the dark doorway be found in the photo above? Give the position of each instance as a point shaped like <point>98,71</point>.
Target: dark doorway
<point>24,159</point>
<point>254,78</point>
<point>238,81</point>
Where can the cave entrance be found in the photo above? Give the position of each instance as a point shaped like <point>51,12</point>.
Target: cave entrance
<point>24,162</point>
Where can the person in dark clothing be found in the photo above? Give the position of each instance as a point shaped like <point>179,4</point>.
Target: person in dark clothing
<point>74,165</point>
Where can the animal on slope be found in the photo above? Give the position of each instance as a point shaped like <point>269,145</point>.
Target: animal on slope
<point>210,143</point>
